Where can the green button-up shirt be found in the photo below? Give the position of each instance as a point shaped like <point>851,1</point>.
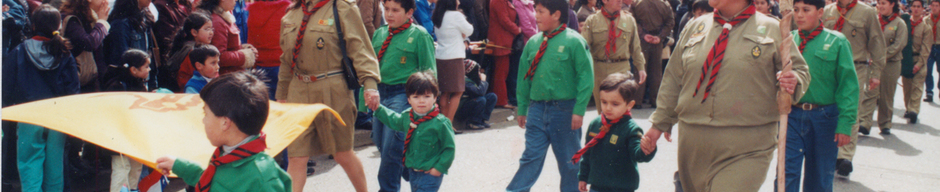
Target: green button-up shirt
<point>432,143</point>
<point>829,57</point>
<point>565,72</point>
<point>410,51</point>
<point>258,172</point>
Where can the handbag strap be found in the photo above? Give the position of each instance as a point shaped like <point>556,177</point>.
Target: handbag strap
<point>339,32</point>
<point>157,56</point>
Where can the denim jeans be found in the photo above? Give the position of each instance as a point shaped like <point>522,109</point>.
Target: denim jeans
<point>810,136</point>
<point>548,123</point>
<point>931,61</point>
<point>390,143</point>
<point>271,74</point>
<point>422,182</point>
<point>40,158</point>
<point>476,110</point>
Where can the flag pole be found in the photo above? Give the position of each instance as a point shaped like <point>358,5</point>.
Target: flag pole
<point>784,99</point>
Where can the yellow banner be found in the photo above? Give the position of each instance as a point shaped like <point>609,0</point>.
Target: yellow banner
<point>145,126</point>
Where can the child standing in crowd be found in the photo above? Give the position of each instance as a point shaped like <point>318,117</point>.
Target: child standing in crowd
<point>205,59</point>
<point>608,31</point>
<point>476,104</point>
<point>40,68</point>
<point>556,78</point>
<point>197,30</point>
<point>613,148</point>
<point>432,153</point>
<point>450,53</point>
<point>130,75</point>
<point>236,107</point>
<point>131,23</point>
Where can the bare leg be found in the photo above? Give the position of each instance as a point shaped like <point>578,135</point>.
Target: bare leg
<point>297,169</point>
<point>353,168</point>
<point>454,102</point>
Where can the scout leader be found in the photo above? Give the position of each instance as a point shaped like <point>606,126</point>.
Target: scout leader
<point>896,34</point>
<point>311,72</point>
<point>813,134</point>
<point>913,74</point>
<point>612,36</point>
<point>859,23</point>
<point>720,87</point>
<point>554,87</point>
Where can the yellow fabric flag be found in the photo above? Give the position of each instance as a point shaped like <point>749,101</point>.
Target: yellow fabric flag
<point>145,126</point>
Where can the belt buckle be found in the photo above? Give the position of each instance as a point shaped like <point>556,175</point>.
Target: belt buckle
<point>307,78</point>
<point>806,106</point>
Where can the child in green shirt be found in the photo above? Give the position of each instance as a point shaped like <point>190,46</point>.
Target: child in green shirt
<point>236,110</point>
<point>429,140</point>
<point>609,158</point>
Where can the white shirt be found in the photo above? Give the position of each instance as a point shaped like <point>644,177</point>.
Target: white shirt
<point>450,36</point>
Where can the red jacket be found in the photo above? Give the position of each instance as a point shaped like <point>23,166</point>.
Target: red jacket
<point>226,40</point>
<point>503,26</point>
<point>264,20</point>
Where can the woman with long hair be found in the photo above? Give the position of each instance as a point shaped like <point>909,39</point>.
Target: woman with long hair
<point>131,22</point>
<point>86,26</point>
<point>235,55</point>
<point>452,28</point>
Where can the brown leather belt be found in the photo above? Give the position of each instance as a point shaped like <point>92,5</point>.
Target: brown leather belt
<point>806,106</point>
<point>312,78</point>
<point>861,62</point>
<point>611,60</point>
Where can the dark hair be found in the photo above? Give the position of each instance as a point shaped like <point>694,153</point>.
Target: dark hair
<point>896,7</point>
<point>130,58</point>
<point>818,3</point>
<point>556,5</point>
<point>240,96</point>
<point>442,6</point>
<point>138,18</point>
<point>622,83</point>
<point>405,4</point>
<point>201,53</point>
<point>210,5</point>
<point>193,21</point>
<point>81,9</point>
<point>911,2</point>
<point>46,21</point>
<point>704,6</point>
<point>422,82</point>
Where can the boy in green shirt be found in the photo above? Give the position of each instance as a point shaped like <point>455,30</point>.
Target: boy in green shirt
<point>429,142</point>
<point>236,107</point>
<point>822,119</point>
<point>613,147</point>
<point>557,77</point>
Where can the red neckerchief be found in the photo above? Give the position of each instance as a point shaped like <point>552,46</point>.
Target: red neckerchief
<point>538,56</point>
<point>805,38</point>
<point>885,22</point>
<point>842,12</point>
<point>612,33</point>
<point>391,33</point>
<point>414,125</point>
<point>914,25</point>
<point>244,151</point>
<point>934,18</point>
<point>605,127</point>
<point>303,27</point>
<point>40,38</point>
<point>717,53</point>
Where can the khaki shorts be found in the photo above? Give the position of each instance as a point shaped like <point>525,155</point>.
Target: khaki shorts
<point>325,135</point>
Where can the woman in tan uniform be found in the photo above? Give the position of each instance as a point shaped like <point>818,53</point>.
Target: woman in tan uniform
<point>312,73</point>
<point>612,36</point>
<point>728,118</point>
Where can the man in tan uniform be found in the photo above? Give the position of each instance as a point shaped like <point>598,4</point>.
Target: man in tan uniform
<point>313,74</point>
<point>896,34</point>
<point>612,55</point>
<point>655,19</point>
<point>729,127</point>
<point>922,39</point>
<point>859,23</point>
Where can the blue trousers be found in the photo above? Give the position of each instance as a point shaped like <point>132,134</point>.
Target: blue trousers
<point>548,123</point>
<point>40,156</point>
<point>423,182</point>
<point>390,143</point>
<point>931,61</point>
<point>810,136</point>
<point>271,74</point>
<point>476,110</point>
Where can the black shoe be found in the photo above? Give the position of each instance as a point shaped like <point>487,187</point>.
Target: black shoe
<point>310,171</point>
<point>458,132</point>
<point>913,119</point>
<point>311,163</point>
<point>487,125</point>
<point>885,131</point>
<point>843,167</point>
<point>929,98</point>
<point>472,126</point>
<point>908,114</point>
<point>864,130</point>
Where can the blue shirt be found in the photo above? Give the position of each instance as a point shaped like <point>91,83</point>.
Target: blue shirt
<point>196,83</point>
<point>241,19</point>
<point>423,16</point>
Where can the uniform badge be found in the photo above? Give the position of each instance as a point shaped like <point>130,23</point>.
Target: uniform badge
<point>700,28</point>
<point>321,22</point>
<point>826,47</point>
<point>756,51</point>
<point>561,49</point>
<point>411,39</point>
<point>853,32</point>
<point>320,43</point>
<point>613,139</point>
<point>403,59</point>
<point>891,40</point>
<point>762,29</point>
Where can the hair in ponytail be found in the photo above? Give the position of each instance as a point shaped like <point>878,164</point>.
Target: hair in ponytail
<point>46,21</point>
<point>194,21</point>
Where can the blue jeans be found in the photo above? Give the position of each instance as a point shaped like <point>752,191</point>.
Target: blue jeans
<point>548,123</point>
<point>271,74</point>
<point>390,143</point>
<point>931,61</point>
<point>421,182</point>
<point>40,156</point>
<point>810,136</point>
<point>476,110</point>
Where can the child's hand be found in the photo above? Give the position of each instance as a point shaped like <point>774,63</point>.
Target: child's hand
<point>165,164</point>
<point>434,172</point>
<point>582,186</point>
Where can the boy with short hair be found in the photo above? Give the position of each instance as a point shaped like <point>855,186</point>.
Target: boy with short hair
<point>236,107</point>
<point>613,147</point>
<point>429,142</point>
<point>556,79</point>
<point>205,58</point>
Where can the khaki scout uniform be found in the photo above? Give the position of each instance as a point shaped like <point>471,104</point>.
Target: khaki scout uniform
<point>896,34</point>
<point>656,18</point>
<point>595,32</point>
<point>320,57</point>
<point>863,30</point>
<point>727,142</point>
<point>914,87</point>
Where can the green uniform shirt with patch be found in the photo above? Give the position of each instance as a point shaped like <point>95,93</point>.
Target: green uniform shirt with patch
<point>829,56</point>
<point>410,51</point>
<point>258,172</point>
<point>611,164</point>
<point>432,143</point>
<point>565,72</point>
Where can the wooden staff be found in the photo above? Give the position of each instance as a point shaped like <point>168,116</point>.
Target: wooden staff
<point>784,99</point>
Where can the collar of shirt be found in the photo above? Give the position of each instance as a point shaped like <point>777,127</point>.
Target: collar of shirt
<point>228,149</point>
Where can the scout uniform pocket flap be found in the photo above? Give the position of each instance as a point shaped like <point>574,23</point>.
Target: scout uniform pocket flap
<point>759,39</point>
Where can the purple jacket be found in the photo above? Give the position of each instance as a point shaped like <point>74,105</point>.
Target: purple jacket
<point>89,37</point>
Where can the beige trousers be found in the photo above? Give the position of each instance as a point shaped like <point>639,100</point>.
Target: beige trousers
<point>124,172</point>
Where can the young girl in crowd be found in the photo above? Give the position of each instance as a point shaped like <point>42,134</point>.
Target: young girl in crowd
<point>131,23</point>
<point>129,75</point>
<point>197,30</point>
<point>452,28</point>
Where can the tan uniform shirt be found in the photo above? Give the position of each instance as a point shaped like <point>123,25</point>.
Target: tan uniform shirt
<point>863,30</point>
<point>922,38</point>
<point>934,27</point>
<point>745,89</point>
<point>320,52</point>
<point>595,32</point>
<point>896,35</point>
